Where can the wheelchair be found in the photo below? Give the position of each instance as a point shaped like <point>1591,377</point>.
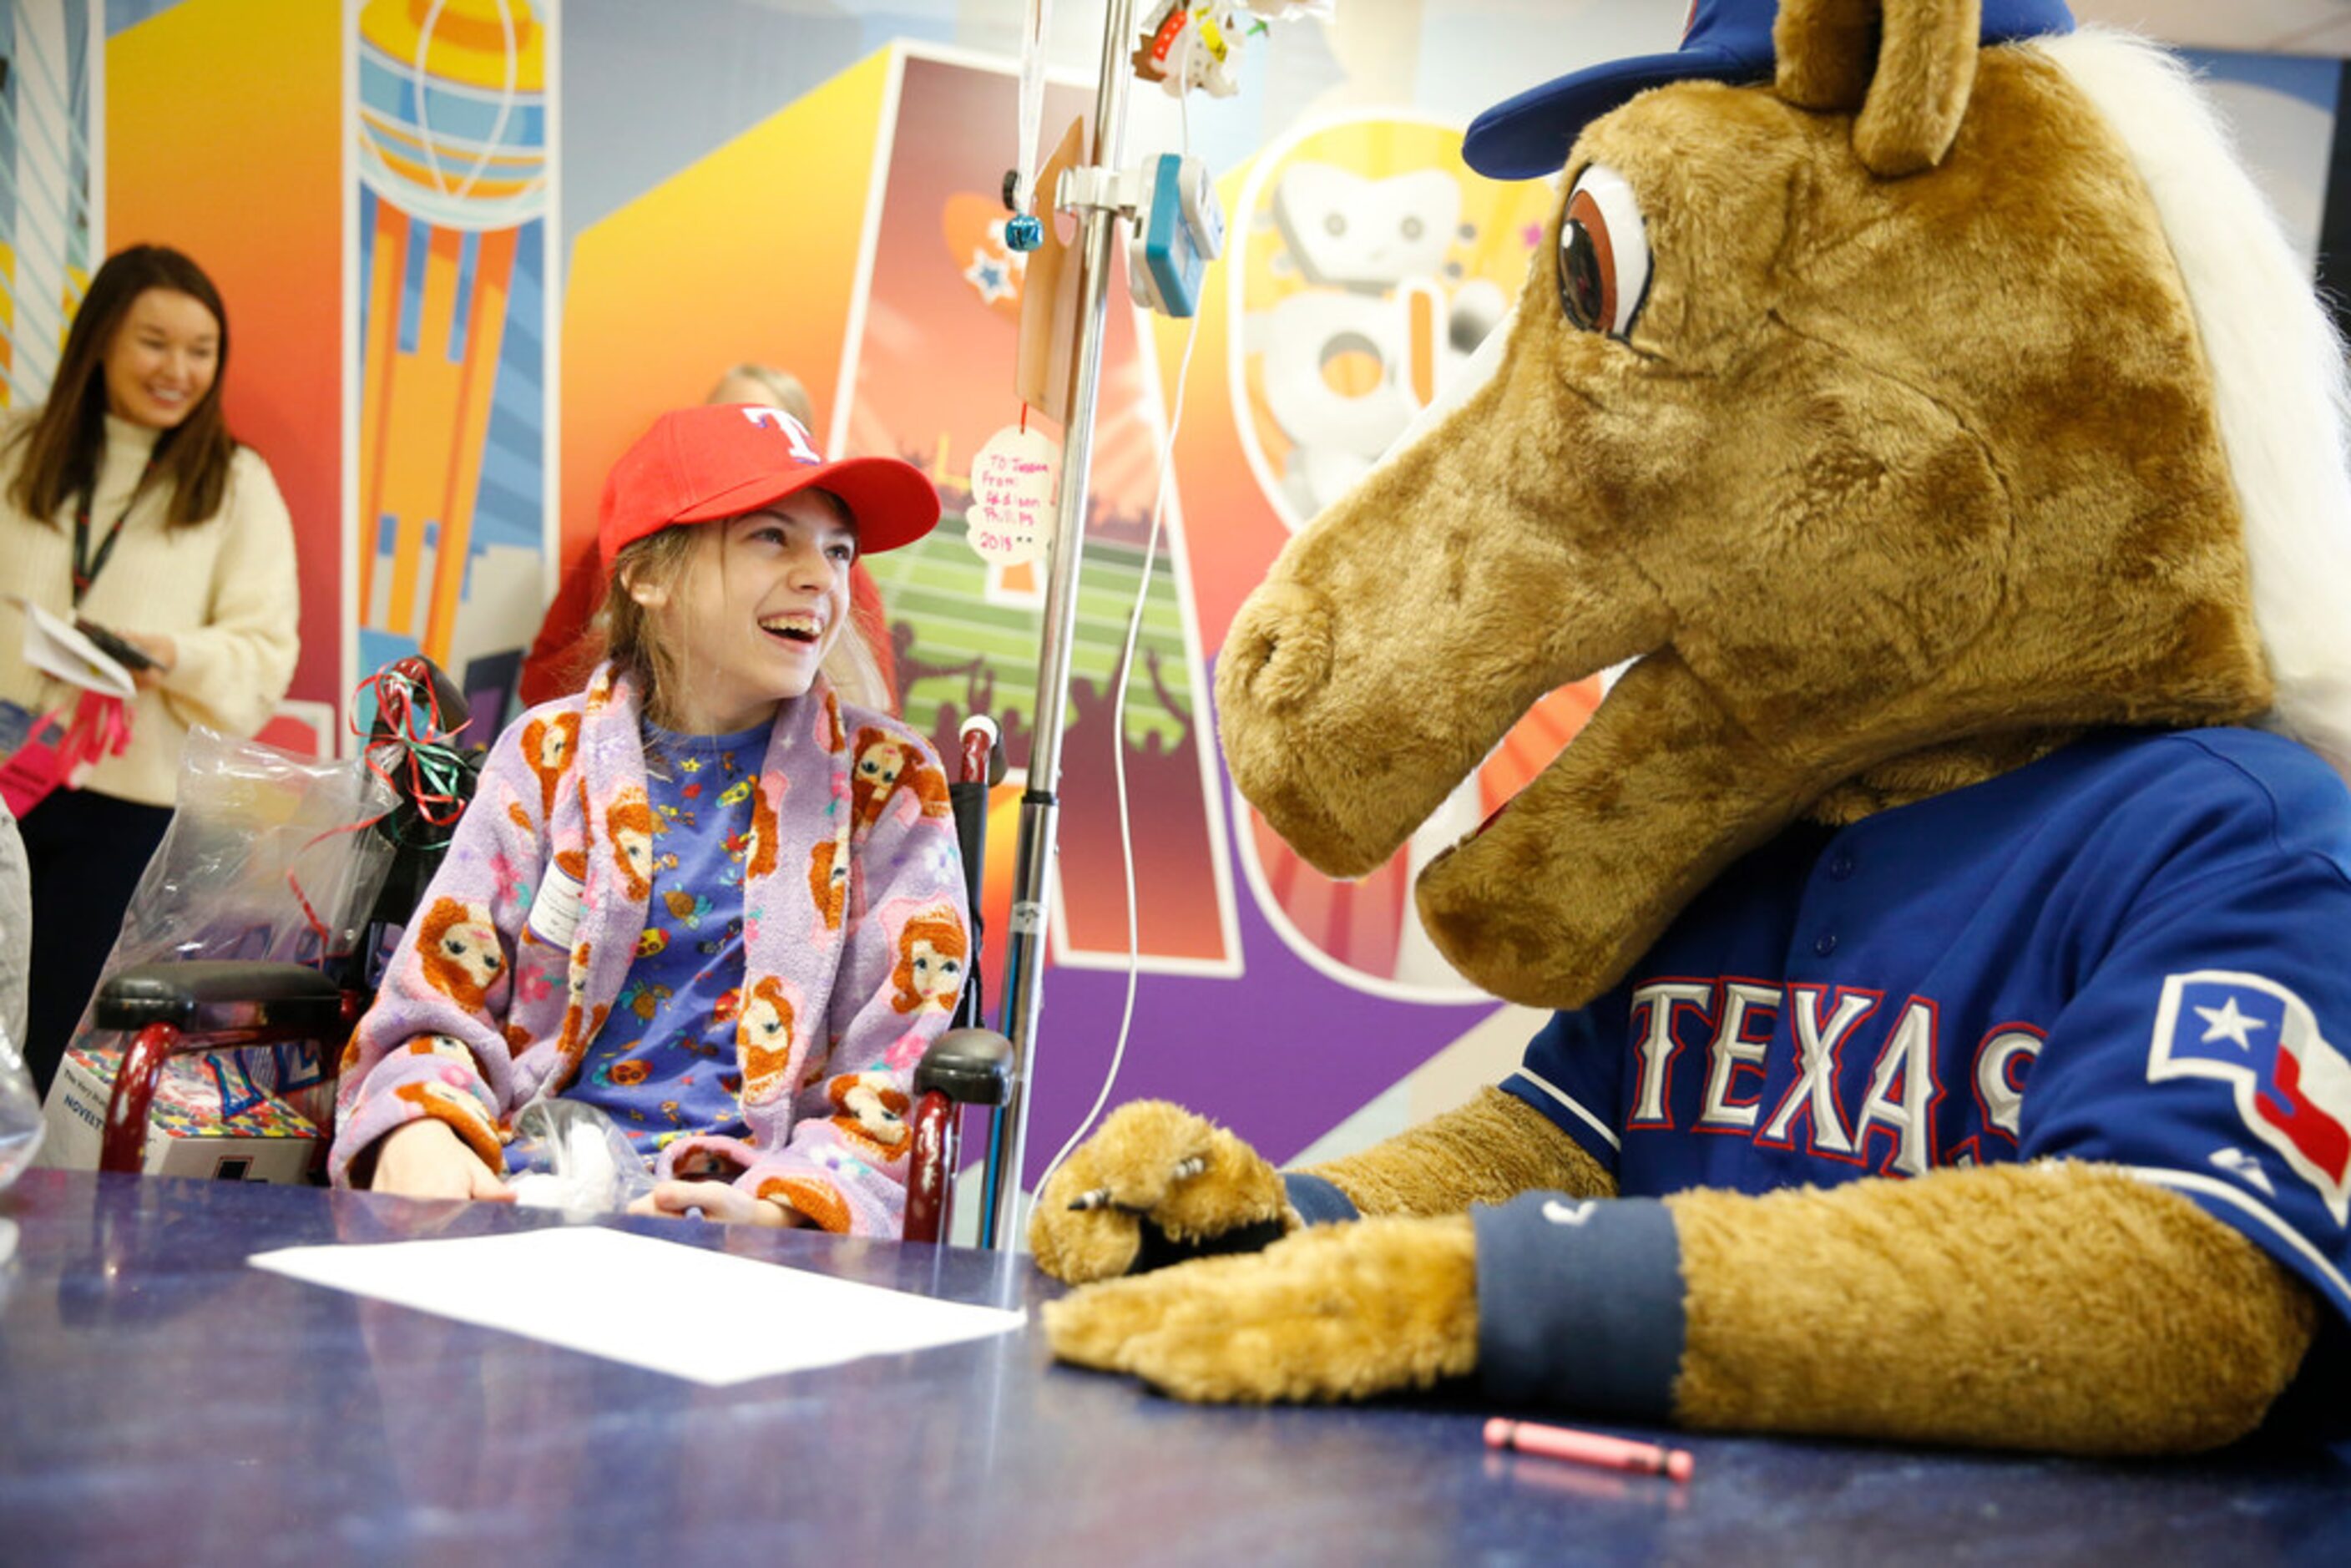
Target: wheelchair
<point>196,1006</point>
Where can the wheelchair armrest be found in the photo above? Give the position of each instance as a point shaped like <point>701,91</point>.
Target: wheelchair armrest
<point>204,995</point>
<point>969,1066</point>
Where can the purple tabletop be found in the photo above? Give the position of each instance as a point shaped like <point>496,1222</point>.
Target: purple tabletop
<point>161,1402</point>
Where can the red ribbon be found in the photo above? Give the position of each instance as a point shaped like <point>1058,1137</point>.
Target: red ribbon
<point>100,729</point>
<point>95,728</point>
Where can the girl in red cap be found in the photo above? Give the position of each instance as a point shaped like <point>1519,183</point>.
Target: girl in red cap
<point>705,894</point>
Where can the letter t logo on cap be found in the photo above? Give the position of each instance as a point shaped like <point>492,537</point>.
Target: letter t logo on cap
<point>777,419</point>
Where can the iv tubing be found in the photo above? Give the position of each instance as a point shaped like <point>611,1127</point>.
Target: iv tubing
<point>1039,804</point>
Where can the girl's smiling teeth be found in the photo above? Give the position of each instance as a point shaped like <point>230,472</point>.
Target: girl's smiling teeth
<point>798,625</point>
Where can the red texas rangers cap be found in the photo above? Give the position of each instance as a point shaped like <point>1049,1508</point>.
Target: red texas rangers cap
<point>722,460</point>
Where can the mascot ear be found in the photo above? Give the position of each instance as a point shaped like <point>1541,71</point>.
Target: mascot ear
<point>1908,66</point>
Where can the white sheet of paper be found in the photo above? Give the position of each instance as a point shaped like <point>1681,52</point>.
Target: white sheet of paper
<point>606,1293</point>
<point>59,647</point>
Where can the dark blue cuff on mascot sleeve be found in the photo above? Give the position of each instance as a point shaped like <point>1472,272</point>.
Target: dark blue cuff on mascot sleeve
<point>1580,1304</point>
<point>1319,1202</point>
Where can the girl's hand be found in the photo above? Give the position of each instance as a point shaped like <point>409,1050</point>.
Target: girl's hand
<point>425,1159</point>
<point>166,655</point>
<point>717,1201</point>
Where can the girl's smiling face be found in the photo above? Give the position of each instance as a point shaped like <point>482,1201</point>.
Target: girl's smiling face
<point>755,613</point>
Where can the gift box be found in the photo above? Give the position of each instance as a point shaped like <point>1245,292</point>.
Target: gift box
<point>190,1131</point>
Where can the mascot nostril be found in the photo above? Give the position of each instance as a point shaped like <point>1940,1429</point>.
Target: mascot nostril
<point>1942,913</point>
<point>1281,651</point>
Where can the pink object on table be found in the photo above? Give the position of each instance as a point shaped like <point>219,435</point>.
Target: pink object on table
<point>1588,1448</point>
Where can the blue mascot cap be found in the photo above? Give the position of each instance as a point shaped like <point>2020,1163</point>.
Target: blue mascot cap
<point>1724,40</point>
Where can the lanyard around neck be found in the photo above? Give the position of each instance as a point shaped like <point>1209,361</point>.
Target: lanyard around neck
<point>85,568</point>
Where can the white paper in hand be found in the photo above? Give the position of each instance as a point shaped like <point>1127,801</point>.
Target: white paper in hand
<point>611,1292</point>
<point>54,646</point>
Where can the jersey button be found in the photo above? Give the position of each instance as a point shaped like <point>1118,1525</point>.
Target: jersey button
<point>1840,865</point>
<point>1826,944</point>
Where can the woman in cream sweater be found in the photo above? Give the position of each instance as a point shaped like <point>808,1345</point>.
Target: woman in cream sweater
<point>124,500</point>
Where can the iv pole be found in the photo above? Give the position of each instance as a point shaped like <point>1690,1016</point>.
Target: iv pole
<point>1040,803</point>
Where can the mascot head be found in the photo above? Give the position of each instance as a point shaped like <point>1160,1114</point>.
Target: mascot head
<point>1903,387</point>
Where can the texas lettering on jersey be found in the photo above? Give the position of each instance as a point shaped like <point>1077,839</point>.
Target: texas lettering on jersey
<point>1834,1073</point>
<point>1795,1087</point>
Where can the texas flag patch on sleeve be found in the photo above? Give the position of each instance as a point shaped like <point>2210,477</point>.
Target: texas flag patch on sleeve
<point>2292,1086</point>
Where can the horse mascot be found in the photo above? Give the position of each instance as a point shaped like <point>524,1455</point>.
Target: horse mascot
<point>1944,913</point>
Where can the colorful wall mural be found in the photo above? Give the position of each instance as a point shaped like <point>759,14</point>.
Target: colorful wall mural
<point>448,384</point>
<point>52,158</point>
<point>471,246</point>
<point>223,122</point>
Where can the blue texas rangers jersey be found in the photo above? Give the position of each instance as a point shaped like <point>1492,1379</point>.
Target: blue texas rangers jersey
<point>2136,951</point>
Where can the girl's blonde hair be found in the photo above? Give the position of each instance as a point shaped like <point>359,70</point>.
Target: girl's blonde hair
<point>635,641</point>
<point>783,389</point>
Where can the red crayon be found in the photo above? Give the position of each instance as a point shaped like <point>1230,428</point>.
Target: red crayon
<point>1588,1448</point>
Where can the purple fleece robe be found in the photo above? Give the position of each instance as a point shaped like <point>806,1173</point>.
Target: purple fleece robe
<point>855,941</point>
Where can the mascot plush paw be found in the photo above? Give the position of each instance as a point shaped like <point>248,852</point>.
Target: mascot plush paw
<point>1337,1311</point>
<point>1944,910</point>
<point>1157,1183</point>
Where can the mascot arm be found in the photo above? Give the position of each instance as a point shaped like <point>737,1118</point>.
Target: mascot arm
<point>2086,1312</point>
<point>1489,1150</point>
<point>1159,1184</point>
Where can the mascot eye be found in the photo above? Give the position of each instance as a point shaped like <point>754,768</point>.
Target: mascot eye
<point>1603,254</point>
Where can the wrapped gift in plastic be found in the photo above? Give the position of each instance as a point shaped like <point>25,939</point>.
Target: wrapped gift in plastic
<point>269,856</point>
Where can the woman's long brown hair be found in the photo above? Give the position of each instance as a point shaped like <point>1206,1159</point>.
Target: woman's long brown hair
<point>62,449</point>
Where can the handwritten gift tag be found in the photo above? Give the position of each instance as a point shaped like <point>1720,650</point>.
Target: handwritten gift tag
<point>1012,483</point>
